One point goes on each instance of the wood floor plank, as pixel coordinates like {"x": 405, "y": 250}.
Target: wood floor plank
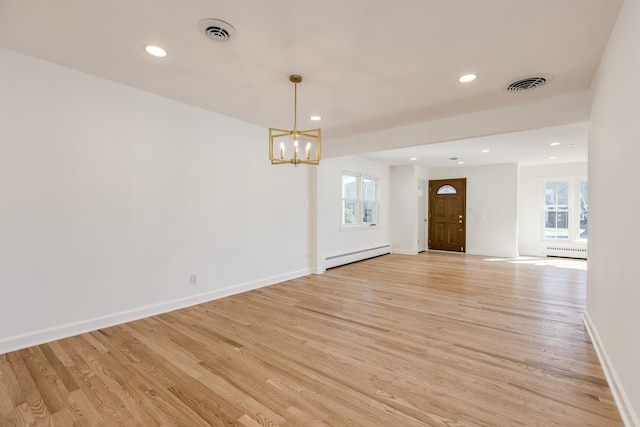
{"x": 30, "y": 404}
{"x": 437, "y": 339}
{"x": 8, "y": 384}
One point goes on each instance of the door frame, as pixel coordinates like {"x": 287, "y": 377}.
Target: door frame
{"x": 423, "y": 232}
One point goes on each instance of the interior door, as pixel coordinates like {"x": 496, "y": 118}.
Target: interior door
{"x": 447, "y": 214}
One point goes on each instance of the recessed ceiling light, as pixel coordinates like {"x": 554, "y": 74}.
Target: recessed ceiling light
{"x": 413, "y": 158}
{"x": 484, "y": 151}
{"x": 467, "y": 78}
{"x": 315, "y": 118}
{"x": 156, "y": 51}
{"x": 554, "y": 144}
{"x": 461, "y": 162}
{"x": 552, "y": 158}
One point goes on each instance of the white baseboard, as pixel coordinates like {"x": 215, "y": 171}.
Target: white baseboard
{"x": 355, "y": 256}
{"x": 64, "y": 331}
{"x": 629, "y": 417}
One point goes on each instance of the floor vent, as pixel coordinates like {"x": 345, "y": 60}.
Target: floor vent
{"x": 566, "y": 252}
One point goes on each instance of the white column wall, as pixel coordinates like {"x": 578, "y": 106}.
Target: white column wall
{"x": 613, "y": 290}
{"x": 404, "y": 210}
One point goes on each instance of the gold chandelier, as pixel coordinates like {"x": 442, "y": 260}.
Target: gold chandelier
{"x": 294, "y": 146}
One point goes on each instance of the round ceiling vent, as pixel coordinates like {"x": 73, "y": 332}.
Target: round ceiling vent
{"x": 526, "y": 84}
{"x": 217, "y": 30}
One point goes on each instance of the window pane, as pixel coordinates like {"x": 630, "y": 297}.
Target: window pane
{"x": 370, "y": 213}
{"x": 349, "y": 187}
{"x": 368, "y": 189}
{"x": 556, "y": 225}
{"x": 584, "y": 209}
{"x": 349, "y": 212}
{"x": 550, "y": 195}
{"x": 446, "y": 189}
{"x": 556, "y": 195}
{"x": 563, "y": 195}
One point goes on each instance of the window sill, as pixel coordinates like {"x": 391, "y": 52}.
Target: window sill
{"x": 358, "y": 227}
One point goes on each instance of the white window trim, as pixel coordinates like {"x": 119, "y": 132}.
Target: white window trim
{"x": 360, "y": 225}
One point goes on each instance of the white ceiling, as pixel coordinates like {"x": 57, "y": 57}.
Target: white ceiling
{"x": 367, "y": 65}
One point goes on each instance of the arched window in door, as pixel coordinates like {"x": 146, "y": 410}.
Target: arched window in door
{"x": 447, "y": 189}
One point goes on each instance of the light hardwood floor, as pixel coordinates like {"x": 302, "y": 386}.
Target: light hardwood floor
{"x": 437, "y": 339}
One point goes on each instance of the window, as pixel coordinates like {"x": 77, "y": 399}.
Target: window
{"x": 566, "y": 210}
{"x": 359, "y": 200}
{"x": 556, "y": 210}
{"x": 350, "y": 203}
{"x": 369, "y": 201}
{"x": 584, "y": 209}
{"x": 446, "y": 189}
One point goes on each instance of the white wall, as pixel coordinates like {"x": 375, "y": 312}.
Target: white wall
{"x": 613, "y": 292}
{"x": 531, "y": 203}
{"x": 404, "y": 210}
{"x": 332, "y": 240}
{"x": 404, "y": 207}
{"x": 492, "y": 207}
{"x": 111, "y": 198}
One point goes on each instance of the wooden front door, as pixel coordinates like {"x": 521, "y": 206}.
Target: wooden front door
{"x": 447, "y": 214}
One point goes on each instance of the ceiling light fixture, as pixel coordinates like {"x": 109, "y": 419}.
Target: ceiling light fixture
{"x": 156, "y": 51}
{"x": 315, "y": 118}
{"x": 552, "y": 158}
{"x": 461, "y": 162}
{"x": 467, "y": 78}
{"x": 553, "y": 144}
{"x": 413, "y": 158}
{"x": 290, "y": 142}
{"x": 484, "y": 151}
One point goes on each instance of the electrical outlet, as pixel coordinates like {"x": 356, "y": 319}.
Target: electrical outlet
{"x": 193, "y": 279}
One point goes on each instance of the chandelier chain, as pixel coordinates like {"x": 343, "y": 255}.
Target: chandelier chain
{"x": 295, "y": 106}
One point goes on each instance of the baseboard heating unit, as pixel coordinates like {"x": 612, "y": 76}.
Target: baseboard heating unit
{"x": 349, "y": 257}
{"x": 579, "y": 253}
